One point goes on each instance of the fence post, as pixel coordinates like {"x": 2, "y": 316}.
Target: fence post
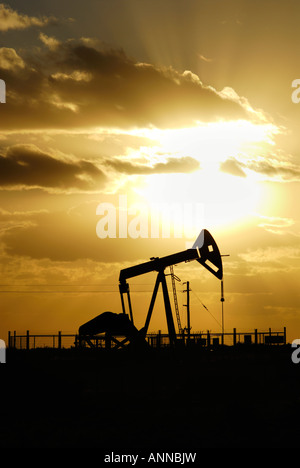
{"x": 234, "y": 336}
{"x": 255, "y": 336}
{"x": 107, "y": 341}
{"x": 208, "y": 338}
{"x": 59, "y": 340}
{"x": 158, "y": 339}
{"x": 27, "y": 339}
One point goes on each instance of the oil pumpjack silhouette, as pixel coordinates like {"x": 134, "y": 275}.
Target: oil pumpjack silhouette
{"x": 204, "y": 250}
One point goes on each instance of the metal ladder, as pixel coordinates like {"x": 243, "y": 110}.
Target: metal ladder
{"x": 173, "y": 277}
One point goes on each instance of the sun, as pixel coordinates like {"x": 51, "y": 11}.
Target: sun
{"x": 219, "y": 200}
{"x": 225, "y": 198}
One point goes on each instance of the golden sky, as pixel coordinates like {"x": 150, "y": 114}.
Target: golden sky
{"x": 162, "y": 104}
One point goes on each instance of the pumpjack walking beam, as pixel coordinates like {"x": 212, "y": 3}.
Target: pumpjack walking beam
{"x": 204, "y": 250}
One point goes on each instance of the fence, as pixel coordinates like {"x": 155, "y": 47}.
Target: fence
{"x": 29, "y": 341}
{"x": 155, "y": 340}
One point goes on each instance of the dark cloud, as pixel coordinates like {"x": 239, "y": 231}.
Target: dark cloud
{"x": 11, "y": 19}
{"x": 233, "y": 167}
{"x": 27, "y": 165}
{"x": 272, "y": 169}
{"x": 73, "y": 85}
{"x": 172, "y": 165}
{"x": 276, "y": 170}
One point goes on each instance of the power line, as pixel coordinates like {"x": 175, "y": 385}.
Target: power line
{"x": 30, "y": 291}
{"x": 203, "y": 305}
{"x": 37, "y": 285}
{"x": 58, "y": 292}
{"x": 68, "y": 285}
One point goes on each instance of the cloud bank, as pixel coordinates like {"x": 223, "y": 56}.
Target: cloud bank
{"x": 71, "y": 84}
{"x": 11, "y": 19}
{"x": 269, "y": 168}
{"x": 27, "y": 165}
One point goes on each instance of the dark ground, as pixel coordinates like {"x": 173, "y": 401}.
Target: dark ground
{"x": 230, "y": 397}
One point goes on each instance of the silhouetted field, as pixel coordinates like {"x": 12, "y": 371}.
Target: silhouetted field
{"x": 230, "y": 397}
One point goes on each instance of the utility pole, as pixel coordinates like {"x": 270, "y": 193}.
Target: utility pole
{"x": 187, "y": 305}
{"x": 222, "y": 301}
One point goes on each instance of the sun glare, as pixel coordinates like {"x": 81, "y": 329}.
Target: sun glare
{"x": 225, "y": 198}
{"x": 214, "y": 142}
